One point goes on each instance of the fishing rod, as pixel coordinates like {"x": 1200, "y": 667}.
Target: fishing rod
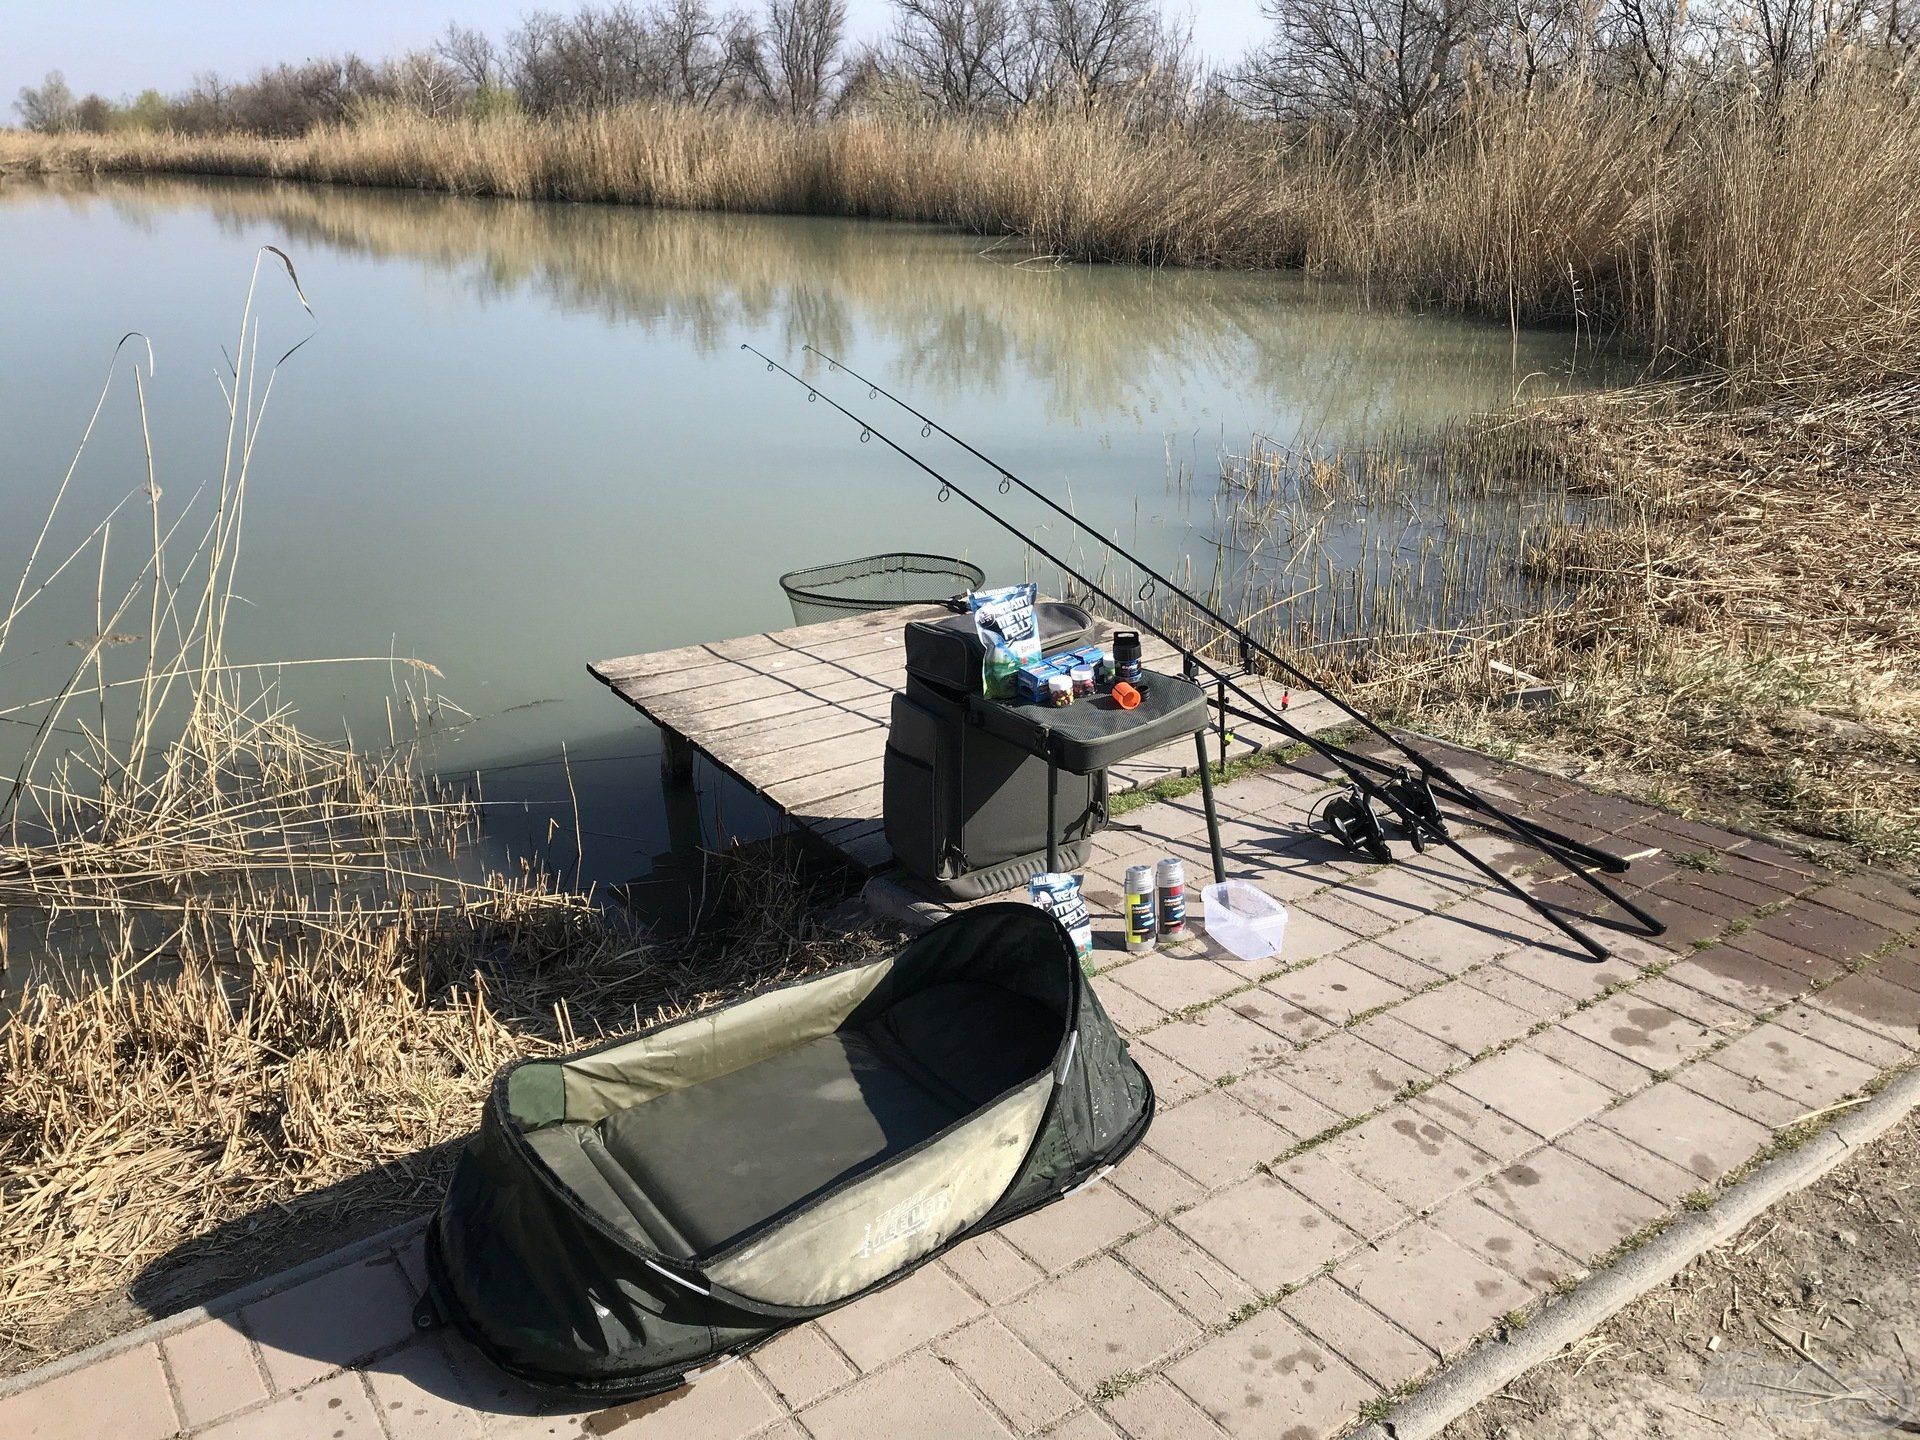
{"x": 1356, "y": 830}
{"x": 1361, "y": 781}
{"x": 1348, "y": 818}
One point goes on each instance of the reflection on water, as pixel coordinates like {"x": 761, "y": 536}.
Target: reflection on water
{"x": 965, "y": 317}
{"x": 523, "y": 437}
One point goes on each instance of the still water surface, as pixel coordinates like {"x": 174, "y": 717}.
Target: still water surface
{"x": 523, "y": 436}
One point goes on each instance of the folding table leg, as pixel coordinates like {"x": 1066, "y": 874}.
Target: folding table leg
{"x": 1206, "y": 800}
{"x": 1053, "y": 835}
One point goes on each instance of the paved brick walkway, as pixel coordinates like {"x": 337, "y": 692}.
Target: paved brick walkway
{"x": 1433, "y": 1114}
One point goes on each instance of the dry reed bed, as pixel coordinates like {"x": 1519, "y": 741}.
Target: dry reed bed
{"x": 265, "y": 976}
{"x": 1734, "y": 622}
{"x": 1750, "y": 238}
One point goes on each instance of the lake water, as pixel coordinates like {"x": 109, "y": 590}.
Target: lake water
{"x": 523, "y": 436}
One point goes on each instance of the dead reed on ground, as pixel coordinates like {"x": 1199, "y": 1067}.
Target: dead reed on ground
{"x": 261, "y": 966}
{"x": 1728, "y": 601}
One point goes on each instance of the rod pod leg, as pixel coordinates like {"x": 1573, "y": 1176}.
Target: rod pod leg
{"x": 1206, "y": 802}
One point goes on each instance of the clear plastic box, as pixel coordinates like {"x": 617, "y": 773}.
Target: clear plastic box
{"x": 1245, "y": 919}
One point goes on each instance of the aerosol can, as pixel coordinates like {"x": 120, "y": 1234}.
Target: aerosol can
{"x": 1170, "y": 879}
{"x": 1143, "y": 926}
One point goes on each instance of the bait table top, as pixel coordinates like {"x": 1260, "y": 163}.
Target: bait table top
{"x": 800, "y": 716}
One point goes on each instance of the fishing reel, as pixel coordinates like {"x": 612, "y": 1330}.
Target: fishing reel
{"x": 1418, "y": 812}
{"x": 1348, "y": 817}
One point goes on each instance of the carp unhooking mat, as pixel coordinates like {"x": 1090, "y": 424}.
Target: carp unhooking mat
{"x": 633, "y": 1212}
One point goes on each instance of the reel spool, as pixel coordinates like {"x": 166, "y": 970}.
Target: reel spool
{"x": 1349, "y": 818}
{"x": 1415, "y": 796}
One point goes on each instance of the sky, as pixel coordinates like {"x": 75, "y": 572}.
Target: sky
{"x": 120, "y": 47}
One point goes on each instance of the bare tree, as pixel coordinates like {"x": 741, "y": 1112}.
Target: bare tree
{"x": 1397, "y": 62}
{"x": 697, "y": 47}
{"x": 614, "y": 54}
{"x": 796, "y": 59}
{"x": 1528, "y": 44}
{"x": 1642, "y": 43}
{"x": 423, "y": 82}
{"x": 92, "y": 113}
{"x": 1787, "y": 43}
{"x": 49, "y": 106}
{"x": 965, "y": 56}
{"x": 292, "y": 99}
{"x": 207, "y": 105}
{"x": 473, "y": 55}
{"x": 1097, "y": 45}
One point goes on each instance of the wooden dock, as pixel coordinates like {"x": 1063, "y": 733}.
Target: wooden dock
{"x": 800, "y": 716}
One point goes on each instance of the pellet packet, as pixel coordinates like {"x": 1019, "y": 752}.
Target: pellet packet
{"x": 1008, "y": 624}
{"x": 1060, "y": 895}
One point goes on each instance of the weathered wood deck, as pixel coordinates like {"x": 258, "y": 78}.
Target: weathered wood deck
{"x": 800, "y": 716}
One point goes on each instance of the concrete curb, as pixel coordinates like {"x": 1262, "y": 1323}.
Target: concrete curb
{"x": 1495, "y": 1364}
{"x": 219, "y": 1306}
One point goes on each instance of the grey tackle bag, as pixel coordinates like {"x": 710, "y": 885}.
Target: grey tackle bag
{"x": 966, "y": 812}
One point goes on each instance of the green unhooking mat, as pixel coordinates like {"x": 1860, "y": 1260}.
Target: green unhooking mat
{"x": 633, "y": 1212}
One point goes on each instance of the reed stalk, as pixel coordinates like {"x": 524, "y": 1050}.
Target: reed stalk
{"x": 267, "y": 981}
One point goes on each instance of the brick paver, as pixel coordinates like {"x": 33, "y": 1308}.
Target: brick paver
{"x": 1099, "y": 1321}
{"x": 1356, "y": 1332}
{"x": 1154, "y": 1408}
{"x": 1538, "y": 1092}
{"x": 919, "y": 1396}
{"x": 1267, "y": 1378}
{"x": 1652, "y": 1175}
{"x": 1410, "y": 1157}
{"x": 1477, "y": 1228}
{"x": 419, "y": 1392}
{"x": 1217, "y": 1042}
{"x": 1216, "y": 1138}
{"x": 891, "y": 1322}
{"x": 1795, "y": 1065}
{"x": 1193, "y": 1279}
{"x": 213, "y": 1371}
{"x": 1266, "y": 1231}
{"x": 335, "y": 1320}
{"x": 1023, "y": 1387}
{"x": 802, "y": 1365}
{"x": 995, "y": 1271}
{"x": 1336, "y": 989}
{"x": 1063, "y": 1235}
{"x": 1434, "y": 1290}
{"x": 129, "y": 1390}
{"x": 1425, "y": 1112}
{"x": 1481, "y": 1126}
{"x": 1569, "y": 1203}
{"x": 339, "y": 1408}
{"x": 1688, "y": 1129}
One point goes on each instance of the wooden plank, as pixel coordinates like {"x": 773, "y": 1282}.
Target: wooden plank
{"x": 828, "y": 685}
{"x": 753, "y": 714}
{"x": 859, "y": 655}
{"x": 658, "y": 662}
{"x": 810, "y": 791}
{"x": 626, "y": 669}
{"x": 864, "y": 806}
{"x": 806, "y": 728}
{"x": 837, "y": 810}
{"x": 862, "y": 747}
{"x": 869, "y": 852}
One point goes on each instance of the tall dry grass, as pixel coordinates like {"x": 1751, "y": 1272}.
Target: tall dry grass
{"x": 1729, "y": 611}
{"x": 266, "y": 981}
{"x": 1772, "y": 241}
